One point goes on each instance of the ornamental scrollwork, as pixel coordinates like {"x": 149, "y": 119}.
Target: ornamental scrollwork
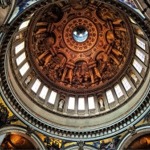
{"x": 79, "y": 65}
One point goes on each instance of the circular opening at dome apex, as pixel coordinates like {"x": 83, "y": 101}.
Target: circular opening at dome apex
{"x": 80, "y": 34}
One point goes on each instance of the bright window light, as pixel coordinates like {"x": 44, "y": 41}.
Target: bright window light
{"x": 24, "y": 69}
{"x": 24, "y": 24}
{"x": 140, "y": 55}
{"x": 91, "y": 102}
{"x": 43, "y": 92}
{"x": 19, "y": 47}
{"x": 110, "y": 96}
{"x": 52, "y": 97}
{"x": 81, "y": 103}
{"x": 140, "y": 43}
{"x": 126, "y": 84}
{"x": 71, "y": 103}
{"x": 118, "y": 91}
{"x": 132, "y": 20}
{"x": 2, "y": 137}
{"x": 36, "y": 85}
{"x": 137, "y": 66}
{"x": 20, "y": 59}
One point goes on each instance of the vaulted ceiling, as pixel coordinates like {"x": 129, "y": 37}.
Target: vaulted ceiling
{"x": 76, "y": 70}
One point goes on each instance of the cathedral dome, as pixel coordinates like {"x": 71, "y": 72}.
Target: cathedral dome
{"x": 77, "y": 70}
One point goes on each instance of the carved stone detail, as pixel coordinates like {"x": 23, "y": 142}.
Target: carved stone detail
{"x": 75, "y": 65}
{"x": 101, "y": 103}
{"x": 61, "y": 102}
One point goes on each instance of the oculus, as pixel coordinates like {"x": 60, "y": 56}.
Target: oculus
{"x": 80, "y": 34}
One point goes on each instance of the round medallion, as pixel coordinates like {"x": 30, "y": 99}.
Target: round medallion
{"x": 80, "y": 34}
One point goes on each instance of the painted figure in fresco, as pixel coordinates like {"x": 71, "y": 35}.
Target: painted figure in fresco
{"x": 111, "y": 145}
{"x": 43, "y": 51}
{"x": 81, "y": 75}
{"x": 102, "y": 59}
{"x": 69, "y": 75}
{"x": 56, "y": 66}
{"x": 78, "y": 74}
{"x": 3, "y": 115}
{"x": 78, "y": 4}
